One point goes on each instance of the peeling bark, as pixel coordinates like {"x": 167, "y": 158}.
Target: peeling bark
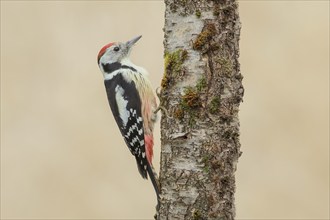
{"x": 201, "y": 91}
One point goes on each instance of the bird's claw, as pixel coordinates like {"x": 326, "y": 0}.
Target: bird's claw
{"x": 164, "y": 110}
{"x": 160, "y": 107}
{"x": 158, "y": 93}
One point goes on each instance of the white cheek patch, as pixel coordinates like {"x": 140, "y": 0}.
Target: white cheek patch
{"x": 122, "y": 105}
{"x": 108, "y": 76}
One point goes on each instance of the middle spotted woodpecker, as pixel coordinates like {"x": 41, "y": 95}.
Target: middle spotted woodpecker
{"x": 132, "y": 102}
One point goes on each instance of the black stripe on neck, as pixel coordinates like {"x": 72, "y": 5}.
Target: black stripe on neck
{"x": 111, "y": 67}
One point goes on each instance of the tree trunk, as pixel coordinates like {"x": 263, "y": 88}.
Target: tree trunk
{"x": 201, "y": 90}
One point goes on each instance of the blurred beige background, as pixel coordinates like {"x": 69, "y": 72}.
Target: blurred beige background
{"x": 63, "y": 157}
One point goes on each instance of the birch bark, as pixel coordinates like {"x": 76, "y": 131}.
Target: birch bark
{"x": 202, "y": 91}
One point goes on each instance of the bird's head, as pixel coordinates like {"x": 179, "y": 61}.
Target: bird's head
{"x": 116, "y": 52}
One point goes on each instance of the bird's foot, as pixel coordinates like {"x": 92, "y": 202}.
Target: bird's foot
{"x": 160, "y": 107}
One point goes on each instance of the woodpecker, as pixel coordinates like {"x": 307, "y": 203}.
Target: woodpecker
{"x": 132, "y": 102}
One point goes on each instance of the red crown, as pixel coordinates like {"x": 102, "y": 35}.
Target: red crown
{"x": 102, "y": 51}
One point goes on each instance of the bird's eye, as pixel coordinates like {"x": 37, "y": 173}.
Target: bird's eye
{"x": 116, "y": 49}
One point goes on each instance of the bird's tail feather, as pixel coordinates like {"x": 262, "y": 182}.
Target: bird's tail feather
{"x": 142, "y": 171}
{"x": 154, "y": 179}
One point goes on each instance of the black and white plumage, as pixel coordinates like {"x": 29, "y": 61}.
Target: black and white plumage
{"x": 132, "y": 102}
{"x": 126, "y": 109}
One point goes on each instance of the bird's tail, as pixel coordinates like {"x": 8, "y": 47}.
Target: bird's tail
{"x": 154, "y": 179}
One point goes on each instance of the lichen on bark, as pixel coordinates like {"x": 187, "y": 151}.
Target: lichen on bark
{"x": 201, "y": 91}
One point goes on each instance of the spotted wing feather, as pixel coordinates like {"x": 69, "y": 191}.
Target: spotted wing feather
{"x": 125, "y": 104}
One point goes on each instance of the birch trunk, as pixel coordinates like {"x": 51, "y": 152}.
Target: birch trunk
{"x": 202, "y": 91}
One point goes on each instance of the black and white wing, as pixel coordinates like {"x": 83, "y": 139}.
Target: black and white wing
{"x": 125, "y": 104}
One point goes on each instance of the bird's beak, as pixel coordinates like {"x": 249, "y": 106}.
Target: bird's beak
{"x": 130, "y": 43}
